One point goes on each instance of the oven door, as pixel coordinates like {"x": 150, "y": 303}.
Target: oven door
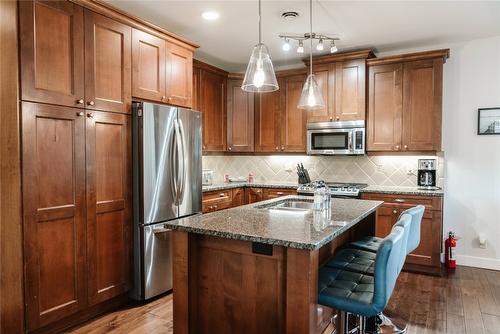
{"x": 330, "y": 141}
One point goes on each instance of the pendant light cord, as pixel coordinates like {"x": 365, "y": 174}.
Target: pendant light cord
{"x": 310, "y": 36}
{"x": 260, "y": 28}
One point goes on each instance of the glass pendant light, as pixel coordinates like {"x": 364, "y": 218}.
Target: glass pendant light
{"x": 260, "y": 76}
{"x": 311, "y": 98}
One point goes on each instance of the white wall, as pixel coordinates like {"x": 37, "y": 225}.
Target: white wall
{"x": 472, "y": 162}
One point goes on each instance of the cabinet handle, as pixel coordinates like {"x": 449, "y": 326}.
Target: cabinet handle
{"x": 90, "y": 115}
{"x": 163, "y": 98}
{"x": 397, "y": 147}
{"x": 215, "y": 206}
{"x": 222, "y": 195}
{"x": 279, "y": 193}
{"x": 210, "y": 207}
{"x": 394, "y": 211}
{"x": 258, "y": 191}
{"x": 80, "y": 101}
{"x": 229, "y": 148}
{"x": 282, "y": 148}
{"x": 80, "y": 113}
{"x": 204, "y": 147}
{"x": 170, "y": 98}
{"x": 277, "y": 148}
{"x": 406, "y": 147}
{"x": 331, "y": 118}
{"x": 91, "y": 103}
{"x": 399, "y": 200}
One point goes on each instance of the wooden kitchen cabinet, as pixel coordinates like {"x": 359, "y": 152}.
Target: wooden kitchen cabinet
{"x": 240, "y": 118}
{"x": 326, "y": 81}
{"x": 109, "y": 186}
{"x": 217, "y": 200}
{"x": 427, "y": 257}
{"x": 54, "y": 212}
{"x": 211, "y": 101}
{"x": 238, "y": 197}
{"x": 179, "y": 76}
{"x": 293, "y": 119}
{"x": 52, "y": 52}
{"x": 270, "y": 193}
{"x": 405, "y": 102}
{"x": 107, "y": 64}
{"x": 268, "y": 122}
{"x": 350, "y": 90}
{"x": 148, "y": 66}
{"x": 253, "y": 195}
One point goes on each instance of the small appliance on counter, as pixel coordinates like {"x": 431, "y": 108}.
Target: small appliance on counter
{"x": 207, "y": 177}
{"x": 426, "y": 176}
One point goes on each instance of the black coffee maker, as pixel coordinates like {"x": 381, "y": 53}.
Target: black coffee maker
{"x": 426, "y": 177}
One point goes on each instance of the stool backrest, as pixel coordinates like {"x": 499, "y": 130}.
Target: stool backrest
{"x": 416, "y": 213}
{"x": 387, "y": 267}
{"x": 405, "y": 221}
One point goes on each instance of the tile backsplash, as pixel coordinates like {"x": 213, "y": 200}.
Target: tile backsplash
{"x": 373, "y": 170}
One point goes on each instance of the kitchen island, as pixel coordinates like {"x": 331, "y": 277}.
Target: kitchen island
{"x": 253, "y": 269}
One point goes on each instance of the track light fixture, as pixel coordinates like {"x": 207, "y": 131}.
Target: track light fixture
{"x": 313, "y": 36}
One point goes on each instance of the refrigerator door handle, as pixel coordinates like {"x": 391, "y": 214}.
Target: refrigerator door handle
{"x": 182, "y": 181}
{"x": 174, "y": 165}
{"x": 178, "y": 163}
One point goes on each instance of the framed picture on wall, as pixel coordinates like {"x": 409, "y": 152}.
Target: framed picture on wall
{"x": 488, "y": 121}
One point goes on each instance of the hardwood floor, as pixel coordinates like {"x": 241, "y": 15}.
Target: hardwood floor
{"x": 467, "y": 302}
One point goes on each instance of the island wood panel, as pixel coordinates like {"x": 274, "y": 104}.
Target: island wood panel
{"x": 293, "y": 119}
{"x": 385, "y": 94}
{"x": 54, "y": 212}
{"x": 107, "y": 64}
{"x": 240, "y": 118}
{"x": 52, "y": 52}
{"x": 326, "y": 81}
{"x": 244, "y": 289}
{"x": 212, "y": 105}
{"x": 109, "y": 224}
{"x": 349, "y": 100}
{"x": 268, "y": 121}
{"x": 422, "y": 105}
{"x": 148, "y": 66}
{"x": 179, "y": 76}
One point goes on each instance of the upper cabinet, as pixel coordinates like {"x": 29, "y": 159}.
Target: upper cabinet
{"x": 107, "y": 64}
{"x": 293, "y": 120}
{"x": 240, "y": 118}
{"x": 210, "y": 90}
{"x": 179, "y": 88}
{"x": 52, "y": 52}
{"x": 405, "y": 102}
{"x": 268, "y": 122}
{"x": 326, "y": 81}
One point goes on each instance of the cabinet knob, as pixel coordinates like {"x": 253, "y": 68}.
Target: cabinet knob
{"x": 90, "y": 115}
{"x": 282, "y": 148}
{"x": 229, "y": 148}
{"x": 279, "y": 193}
{"x": 80, "y": 113}
{"x": 406, "y": 147}
{"x": 215, "y": 206}
{"x": 331, "y": 118}
{"x": 80, "y": 101}
{"x": 397, "y": 147}
{"x": 163, "y": 98}
{"x": 204, "y": 147}
{"x": 170, "y": 98}
{"x": 338, "y": 118}
{"x": 210, "y": 207}
{"x": 222, "y": 195}
{"x": 277, "y": 148}
{"x": 258, "y": 191}
{"x": 91, "y": 103}
{"x": 394, "y": 211}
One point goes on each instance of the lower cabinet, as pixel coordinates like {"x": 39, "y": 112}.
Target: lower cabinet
{"x": 230, "y": 198}
{"x": 427, "y": 257}
{"x": 76, "y": 208}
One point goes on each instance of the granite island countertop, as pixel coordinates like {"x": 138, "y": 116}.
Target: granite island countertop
{"x": 296, "y": 229}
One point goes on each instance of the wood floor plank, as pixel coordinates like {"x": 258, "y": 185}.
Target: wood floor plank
{"x": 491, "y": 324}
{"x": 474, "y": 325}
{"x": 455, "y": 324}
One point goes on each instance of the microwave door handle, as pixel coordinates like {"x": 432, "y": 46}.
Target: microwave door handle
{"x": 349, "y": 145}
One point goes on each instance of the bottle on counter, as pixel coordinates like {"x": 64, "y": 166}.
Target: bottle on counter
{"x": 226, "y": 178}
{"x": 250, "y": 178}
{"x": 319, "y": 198}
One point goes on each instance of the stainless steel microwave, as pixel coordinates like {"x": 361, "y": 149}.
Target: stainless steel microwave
{"x": 336, "y": 138}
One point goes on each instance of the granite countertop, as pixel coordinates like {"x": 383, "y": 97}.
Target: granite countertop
{"x": 403, "y": 191}
{"x": 296, "y": 229}
{"x": 231, "y": 185}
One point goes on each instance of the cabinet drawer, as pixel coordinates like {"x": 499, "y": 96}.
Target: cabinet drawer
{"x": 217, "y": 200}
{"x": 431, "y": 203}
{"x": 274, "y": 193}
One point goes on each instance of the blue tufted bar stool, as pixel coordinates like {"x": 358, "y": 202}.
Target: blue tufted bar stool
{"x": 360, "y": 294}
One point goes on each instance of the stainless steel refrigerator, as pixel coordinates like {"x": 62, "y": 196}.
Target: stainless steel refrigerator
{"x": 167, "y": 186}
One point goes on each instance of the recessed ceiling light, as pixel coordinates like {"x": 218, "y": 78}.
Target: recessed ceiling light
{"x": 210, "y": 15}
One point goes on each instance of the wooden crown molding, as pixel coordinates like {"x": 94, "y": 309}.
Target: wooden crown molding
{"x": 114, "y": 13}
{"x": 341, "y": 56}
{"x": 198, "y": 64}
{"x": 441, "y": 53}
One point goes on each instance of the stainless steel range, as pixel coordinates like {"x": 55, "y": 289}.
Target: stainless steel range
{"x": 338, "y": 189}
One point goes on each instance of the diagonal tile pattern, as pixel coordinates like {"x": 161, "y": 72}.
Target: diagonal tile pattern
{"x": 373, "y": 170}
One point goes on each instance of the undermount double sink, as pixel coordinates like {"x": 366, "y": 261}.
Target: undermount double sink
{"x": 292, "y": 204}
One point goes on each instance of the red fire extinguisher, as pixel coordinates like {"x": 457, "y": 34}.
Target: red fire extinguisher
{"x": 450, "y": 243}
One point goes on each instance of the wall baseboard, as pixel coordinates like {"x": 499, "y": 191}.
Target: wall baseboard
{"x": 478, "y": 262}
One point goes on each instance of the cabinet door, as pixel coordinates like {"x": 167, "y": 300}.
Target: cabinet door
{"x": 326, "y": 81}
{"x": 108, "y": 205}
{"x": 212, "y": 103}
{"x": 385, "y": 93}
{"x": 238, "y": 197}
{"x": 52, "y": 65}
{"x": 293, "y": 119}
{"x": 387, "y": 216}
{"x": 350, "y": 90}
{"x": 240, "y": 118}
{"x": 148, "y": 66}
{"x": 107, "y": 64}
{"x": 179, "y": 76}
{"x": 54, "y": 212}
{"x": 422, "y": 103}
{"x": 429, "y": 250}
{"x": 253, "y": 195}
{"x": 268, "y": 122}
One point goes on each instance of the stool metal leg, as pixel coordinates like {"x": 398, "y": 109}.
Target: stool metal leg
{"x": 391, "y": 326}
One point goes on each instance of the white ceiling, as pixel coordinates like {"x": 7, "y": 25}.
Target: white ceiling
{"x": 383, "y": 25}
